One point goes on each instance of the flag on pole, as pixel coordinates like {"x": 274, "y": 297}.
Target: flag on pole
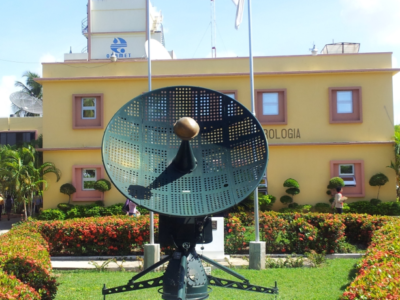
{"x": 239, "y": 12}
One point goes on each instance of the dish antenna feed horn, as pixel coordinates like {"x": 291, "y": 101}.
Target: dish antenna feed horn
{"x": 185, "y": 153}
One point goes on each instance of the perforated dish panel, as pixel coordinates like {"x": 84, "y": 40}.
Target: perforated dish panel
{"x": 139, "y": 145}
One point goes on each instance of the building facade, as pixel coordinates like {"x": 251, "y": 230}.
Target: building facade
{"x": 324, "y": 116}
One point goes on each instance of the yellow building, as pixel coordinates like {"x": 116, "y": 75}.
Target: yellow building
{"x": 324, "y": 116}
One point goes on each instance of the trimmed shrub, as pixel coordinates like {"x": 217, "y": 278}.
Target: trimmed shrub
{"x": 374, "y": 201}
{"x": 113, "y": 235}
{"x": 286, "y": 199}
{"x": 293, "y": 191}
{"x": 335, "y": 182}
{"x": 68, "y": 189}
{"x": 24, "y": 254}
{"x": 379, "y": 271}
{"x": 378, "y": 180}
{"x": 51, "y": 214}
{"x": 12, "y": 288}
{"x": 293, "y": 205}
{"x": 235, "y": 239}
{"x": 322, "y": 207}
{"x": 273, "y": 231}
{"x": 102, "y": 185}
{"x": 64, "y": 207}
{"x": 291, "y": 183}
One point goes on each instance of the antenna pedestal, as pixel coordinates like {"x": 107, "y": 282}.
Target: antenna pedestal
{"x": 184, "y": 160}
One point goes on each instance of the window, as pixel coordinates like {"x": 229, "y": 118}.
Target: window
{"x": 344, "y": 102}
{"x": 346, "y": 172}
{"x": 88, "y": 108}
{"x": 345, "y": 105}
{"x": 89, "y": 177}
{"x": 13, "y": 138}
{"x": 87, "y": 111}
{"x": 271, "y": 106}
{"x": 352, "y": 173}
{"x": 83, "y": 179}
{"x": 229, "y": 93}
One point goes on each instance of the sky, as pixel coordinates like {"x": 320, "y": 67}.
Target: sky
{"x": 43, "y": 30}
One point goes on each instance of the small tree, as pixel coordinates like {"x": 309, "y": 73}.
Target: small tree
{"x": 378, "y": 179}
{"x": 68, "y": 189}
{"x": 293, "y": 189}
{"x": 334, "y": 183}
{"x": 102, "y": 185}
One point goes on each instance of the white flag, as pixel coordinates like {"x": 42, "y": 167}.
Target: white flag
{"x": 239, "y": 12}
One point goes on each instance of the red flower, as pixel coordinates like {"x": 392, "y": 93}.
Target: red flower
{"x": 310, "y": 238}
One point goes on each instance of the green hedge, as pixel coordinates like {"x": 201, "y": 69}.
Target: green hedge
{"x": 24, "y": 254}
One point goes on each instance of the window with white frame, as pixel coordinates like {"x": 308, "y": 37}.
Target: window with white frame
{"x": 347, "y": 173}
{"x": 270, "y": 103}
{"x": 344, "y": 102}
{"x": 89, "y": 177}
{"x": 88, "y": 108}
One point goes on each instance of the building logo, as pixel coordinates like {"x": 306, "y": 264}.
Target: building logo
{"x": 119, "y": 46}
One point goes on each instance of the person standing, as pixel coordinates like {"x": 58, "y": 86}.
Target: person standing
{"x": 9, "y": 205}
{"x": 37, "y": 200}
{"x": 132, "y": 209}
{"x": 339, "y": 200}
{"x": 1, "y": 204}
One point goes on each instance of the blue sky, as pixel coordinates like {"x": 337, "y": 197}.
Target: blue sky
{"x": 43, "y": 30}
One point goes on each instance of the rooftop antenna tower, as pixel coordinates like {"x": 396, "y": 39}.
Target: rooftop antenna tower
{"x": 213, "y": 30}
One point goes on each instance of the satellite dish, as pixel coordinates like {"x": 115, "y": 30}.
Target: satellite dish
{"x": 157, "y": 49}
{"x": 27, "y": 102}
{"x": 186, "y": 153}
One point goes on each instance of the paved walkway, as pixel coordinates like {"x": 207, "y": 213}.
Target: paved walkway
{"x": 5, "y": 225}
{"x": 135, "y": 263}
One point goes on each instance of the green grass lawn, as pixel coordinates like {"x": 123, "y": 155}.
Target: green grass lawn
{"x": 326, "y": 282}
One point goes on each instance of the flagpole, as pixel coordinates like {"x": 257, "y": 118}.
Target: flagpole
{"x": 256, "y": 217}
{"x": 149, "y": 82}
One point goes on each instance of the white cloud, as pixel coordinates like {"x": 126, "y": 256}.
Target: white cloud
{"x": 6, "y": 88}
{"x": 380, "y": 18}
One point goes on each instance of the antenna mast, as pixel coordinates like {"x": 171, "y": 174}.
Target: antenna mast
{"x": 213, "y": 31}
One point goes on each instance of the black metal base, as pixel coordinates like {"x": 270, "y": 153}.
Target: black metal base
{"x": 185, "y": 278}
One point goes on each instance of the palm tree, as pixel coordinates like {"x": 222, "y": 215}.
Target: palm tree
{"x": 30, "y": 87}
{"x": 17, "y": 168}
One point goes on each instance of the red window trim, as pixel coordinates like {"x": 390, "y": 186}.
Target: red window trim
{"x": 360, "y": 181}
{"x": 258, "y": 106}
{"x": 82, "y": 195}
{"x": 351, "y": 117}
{"x": 77, "y": 112}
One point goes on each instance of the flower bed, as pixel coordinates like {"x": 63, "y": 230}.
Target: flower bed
{"x": 300, "y": 233}
{"x": 379, "y": 270}
{"x": 117, "y": 235}
{"x": 25, "y": 265}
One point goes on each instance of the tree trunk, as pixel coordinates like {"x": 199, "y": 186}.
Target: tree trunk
{"x": 26, "y": 215}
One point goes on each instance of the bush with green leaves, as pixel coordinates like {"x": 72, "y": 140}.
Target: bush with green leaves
{"x": 68, "y": 189}
{"x": 286, "y": 200}
{"x": 64, "y": 207}
{"x": 293, "y": 189}
{"x": 335, "y": 182}
{"x": 378, "y": 180}
{"x": 265, "y": 202}
{"x": 322, "y": 207}
{"x": 375, "y": 201}
{"x": 102, "y": 185}
{"x": 51, "y": 214}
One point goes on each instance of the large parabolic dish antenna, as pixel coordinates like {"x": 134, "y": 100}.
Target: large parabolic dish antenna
{"x": 27, "y": 102}
{"x": 139, "y": 145}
